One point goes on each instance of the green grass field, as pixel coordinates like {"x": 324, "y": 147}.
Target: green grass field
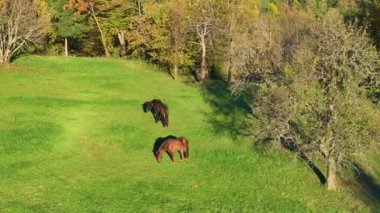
{"x": 74, "y": 138}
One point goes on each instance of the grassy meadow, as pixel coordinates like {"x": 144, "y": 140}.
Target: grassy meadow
{"x": 74, "y": 138}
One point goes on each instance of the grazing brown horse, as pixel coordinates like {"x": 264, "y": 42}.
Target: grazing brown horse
{"x": 171, "y": 145}
{"x": 159, "y": 110}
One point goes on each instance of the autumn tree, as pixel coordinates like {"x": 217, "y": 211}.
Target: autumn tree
{"x": 22, "y": 22}
{"x": 147, "y": 35}
{"x": 234, "y": 17}
{"x": 179, "y": 28}
{"x": 202, "y": 15}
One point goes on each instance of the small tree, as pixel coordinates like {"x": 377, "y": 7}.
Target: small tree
{"x": 22, "y": 22}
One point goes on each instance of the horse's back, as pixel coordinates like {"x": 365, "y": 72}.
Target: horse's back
{"x": 175, "y": 144}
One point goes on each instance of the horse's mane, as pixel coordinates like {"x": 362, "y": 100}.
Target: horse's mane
{"x": 167, "y": 140}
{"x": 161, "y": 141}
{"x": 158, "y": 101}
{"x": 151, "y": 104}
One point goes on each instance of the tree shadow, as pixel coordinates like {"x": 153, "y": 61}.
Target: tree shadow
{"x": 314, "y": 168}
{"x": 229, "y": 114}
{"x": 366, "y": 187}
{"x": 292, "y": 146}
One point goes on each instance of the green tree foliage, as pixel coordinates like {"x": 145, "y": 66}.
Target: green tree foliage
{"x": 160, "y": 35}
{"x": 179, "y": 28}
{"x": 92, "y": 8}
{"x": 147, "y": 34}
{"x": 108, "y": 17}
{"x": 115, "y": 17}
{"x": 66, "y": 25}
{"x": 232, "y": 19}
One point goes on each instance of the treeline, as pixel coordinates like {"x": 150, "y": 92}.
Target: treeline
{"x": 198, "y": 36}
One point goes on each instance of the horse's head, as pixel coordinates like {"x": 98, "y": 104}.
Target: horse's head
{"x": 146, "y": 106}
{"x": 158, "y": 155}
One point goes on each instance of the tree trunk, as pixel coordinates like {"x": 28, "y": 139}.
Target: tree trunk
{"x": 123, "y": 50}
{"x": 139, "y": 7}
{"x": 102, "y": 37}
{"x": 202, "y": 33}
{"x": 66, "y": 48}
{"x": 231, "y": 28}
{"x": 229, "y": 76}
{"x": 331, "y": 174}
{"x": 121, "y": 38}
{"x": 5, "y": 56}
{"x": 203, "y": 72}
{"x": 229, "y": 61}
{"x": 4, "y": 61}
{"x": 229, "y": 65}
{"x": 175, "y": 71}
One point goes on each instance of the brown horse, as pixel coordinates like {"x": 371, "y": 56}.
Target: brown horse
{"x": 171, "y": 145}
{"x": 159, "y": 110}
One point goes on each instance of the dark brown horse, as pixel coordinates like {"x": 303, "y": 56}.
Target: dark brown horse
{"x": 159, "y": 110}
{"x": 171, "y": 145}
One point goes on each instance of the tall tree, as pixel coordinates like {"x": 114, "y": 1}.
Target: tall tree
{"x": 22, "y": 22}
{"x": 305, "y": 87}
{"x": 202, "y": 15}
{"x": 116, "y": 16}
{"x": 233, "y": 18}
{"x": 346, "y": 59}
{"x": 92, "y": 8}
{"x": 179, "y": 29}
{"x": 65, "y": 24}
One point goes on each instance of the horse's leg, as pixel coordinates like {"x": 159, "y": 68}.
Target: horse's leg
{"x": 157, "y": 117}
{"x": 171, "y": 155}
{"x": 163, "y": 122}
{"x": 181, "y": 153}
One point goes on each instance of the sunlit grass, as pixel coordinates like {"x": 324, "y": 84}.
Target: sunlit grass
{"x": 74, "y": 138}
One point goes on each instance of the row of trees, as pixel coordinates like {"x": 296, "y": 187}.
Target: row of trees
{"x": 307, "y": 68}
{"x": 187, "y": 35}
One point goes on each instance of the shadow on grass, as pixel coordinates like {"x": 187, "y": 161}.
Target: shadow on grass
{"x": 229, "y": 113}
{"x": 366, "y": 187}
{"x": 292, "y": 146}
{"x": 314, "y": 168}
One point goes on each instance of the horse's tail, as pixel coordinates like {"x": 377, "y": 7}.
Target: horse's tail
{"x": 187, "y": 150}
{"x": 166, "y": 121}
{"x": 164, "y": 116}
{"x": 166, "y": 111}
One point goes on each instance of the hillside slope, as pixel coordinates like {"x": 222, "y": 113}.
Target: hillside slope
{"x": 74, "y": 138}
